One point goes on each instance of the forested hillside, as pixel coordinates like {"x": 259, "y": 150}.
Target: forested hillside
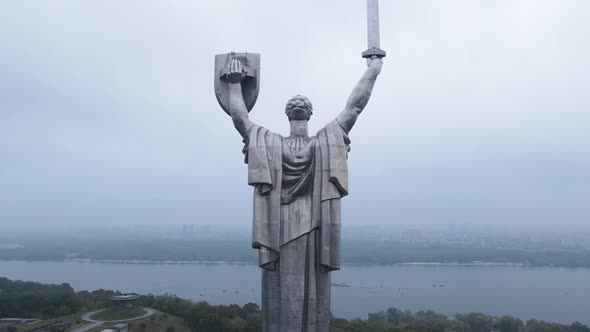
{"x": 30, "y": 299}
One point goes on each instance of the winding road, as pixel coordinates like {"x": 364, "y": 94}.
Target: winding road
{"x": 95, "y": 323}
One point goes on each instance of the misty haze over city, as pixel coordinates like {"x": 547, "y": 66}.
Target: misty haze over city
{"x": 108, "y": 116}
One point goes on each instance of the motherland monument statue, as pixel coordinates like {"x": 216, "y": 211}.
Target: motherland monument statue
{"x": 298, "y": 182}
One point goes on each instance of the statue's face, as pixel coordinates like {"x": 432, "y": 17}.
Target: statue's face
{"x": 299, "y": 113}
{"x": 299, "y": 108}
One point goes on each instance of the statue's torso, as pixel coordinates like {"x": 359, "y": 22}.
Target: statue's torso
{"x": 297, "y": 186}
{"x": 298, "y": 168}
{"x": 299, "y": 182}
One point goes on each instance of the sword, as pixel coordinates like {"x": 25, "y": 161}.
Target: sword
{"x": 373, "y": 30}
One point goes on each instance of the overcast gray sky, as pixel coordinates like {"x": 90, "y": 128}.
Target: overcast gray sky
{"x": 108, "y": 116}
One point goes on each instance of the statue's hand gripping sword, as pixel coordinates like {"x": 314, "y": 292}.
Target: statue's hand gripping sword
{"x": 373, "y": 30}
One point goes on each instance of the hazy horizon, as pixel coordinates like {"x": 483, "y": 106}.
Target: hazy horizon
{"x": 480, "y": 116}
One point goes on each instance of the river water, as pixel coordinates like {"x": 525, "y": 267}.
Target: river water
{"x": 552, "y": 294}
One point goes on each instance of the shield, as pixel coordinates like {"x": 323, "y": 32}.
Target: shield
{"x": 250, "y": 83}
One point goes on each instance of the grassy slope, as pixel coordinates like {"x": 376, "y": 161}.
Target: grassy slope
{"x": 119, "y": 313}
{"x": 74, "y": 319}
{"x": 159, "y": 323}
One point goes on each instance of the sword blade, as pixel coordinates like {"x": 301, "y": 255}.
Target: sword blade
{"x": 373, "y": 23}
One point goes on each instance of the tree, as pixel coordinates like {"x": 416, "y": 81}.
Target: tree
{"x": 578, "y": 327}
{"x": 476, "y": 322}
{"x": 251, "y": 308}
{"x": 509, "y": 324}
{"x": 397, "y": 317}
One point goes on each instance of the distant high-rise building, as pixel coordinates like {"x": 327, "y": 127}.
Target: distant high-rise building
{"x": 188, "y": 228}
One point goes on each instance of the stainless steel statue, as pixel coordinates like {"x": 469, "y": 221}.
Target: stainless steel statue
{"x": 298, "y": 182}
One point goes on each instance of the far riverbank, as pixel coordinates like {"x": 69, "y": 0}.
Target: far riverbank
{"x": 134, "y": 261}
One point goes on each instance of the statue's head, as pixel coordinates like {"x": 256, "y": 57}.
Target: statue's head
{"x": 299, "y": 108}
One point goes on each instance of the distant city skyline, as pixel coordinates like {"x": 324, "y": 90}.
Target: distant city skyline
{"x": 105, "y": 108}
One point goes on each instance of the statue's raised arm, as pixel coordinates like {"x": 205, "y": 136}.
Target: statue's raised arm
{"x": 360, "y": 95}
{"x": 237, "y": 106}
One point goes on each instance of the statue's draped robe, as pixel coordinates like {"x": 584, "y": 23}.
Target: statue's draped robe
{"x": 298, "y": 183}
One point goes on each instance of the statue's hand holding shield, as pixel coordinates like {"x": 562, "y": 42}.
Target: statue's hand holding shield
{"x": 236, "y": 72}
{"x": 236, "y": 68}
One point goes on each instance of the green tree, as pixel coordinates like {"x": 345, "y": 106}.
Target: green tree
{"x": 509, "y": 324}
{"x": 476, "y": 322}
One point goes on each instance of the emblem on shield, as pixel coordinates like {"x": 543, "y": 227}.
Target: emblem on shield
{"x": 250, "y": 83}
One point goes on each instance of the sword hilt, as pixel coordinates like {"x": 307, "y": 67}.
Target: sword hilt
{"x": 374, "y": 51}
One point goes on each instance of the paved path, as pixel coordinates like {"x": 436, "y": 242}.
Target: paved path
{"x": 94, "y": 323}
{"x": 87, "y": 327}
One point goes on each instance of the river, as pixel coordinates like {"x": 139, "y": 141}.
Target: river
{"x": 551, "y": 294}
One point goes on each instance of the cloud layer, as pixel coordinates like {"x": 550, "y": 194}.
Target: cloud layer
{"x": 107, "y": 111}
